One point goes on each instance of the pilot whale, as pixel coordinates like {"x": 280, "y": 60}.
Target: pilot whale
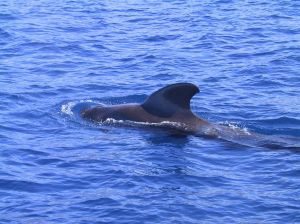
{"x": 170, "y": 107}
{"x": 168, "y": 104}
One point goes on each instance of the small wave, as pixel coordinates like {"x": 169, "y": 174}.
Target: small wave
{"x": 4, "y": 34}
{"x": 24, "y": 186}
{"x": 280, "y": 120}
{"x": 4, "y": 17}
{"x": 280, "y": 126}
{"x": 137, "y": 20}
{"x": 158, "y": 38}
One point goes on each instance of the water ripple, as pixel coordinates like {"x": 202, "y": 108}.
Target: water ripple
{"x": 60, "y": 57}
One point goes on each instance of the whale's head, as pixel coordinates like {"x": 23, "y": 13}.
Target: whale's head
{"x": 95, "y": 114}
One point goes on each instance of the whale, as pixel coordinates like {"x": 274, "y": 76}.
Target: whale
{"x": 168, "y": 105}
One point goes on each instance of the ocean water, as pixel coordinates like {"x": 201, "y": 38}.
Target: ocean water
{"x": 58, "y": 56}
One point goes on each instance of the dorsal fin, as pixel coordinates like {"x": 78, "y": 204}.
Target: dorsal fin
{"x": 170, "y": 99}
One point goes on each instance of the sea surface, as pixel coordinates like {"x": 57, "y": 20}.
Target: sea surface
{"x": 57, "y": 57}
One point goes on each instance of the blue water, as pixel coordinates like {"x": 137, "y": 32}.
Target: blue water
{"x": 58, "y": 56}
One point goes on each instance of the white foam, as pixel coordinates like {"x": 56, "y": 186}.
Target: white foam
{"x": 86, "y": 101}
{"x": 235, "y": 126}
{"x": 67, "y": 108}
{"x": 160, "y": 124}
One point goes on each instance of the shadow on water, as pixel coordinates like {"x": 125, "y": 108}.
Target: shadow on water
{"x": 168, "y": 137}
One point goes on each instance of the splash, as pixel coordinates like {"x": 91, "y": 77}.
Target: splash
{"x": 236, "y": 127}
{"x": 68, "y": 108}
{"x": 170, "y": 124}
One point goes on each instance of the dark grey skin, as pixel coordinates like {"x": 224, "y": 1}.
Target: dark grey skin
{"x": 169, "y": 104}
{"x": 172, "y": 104}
